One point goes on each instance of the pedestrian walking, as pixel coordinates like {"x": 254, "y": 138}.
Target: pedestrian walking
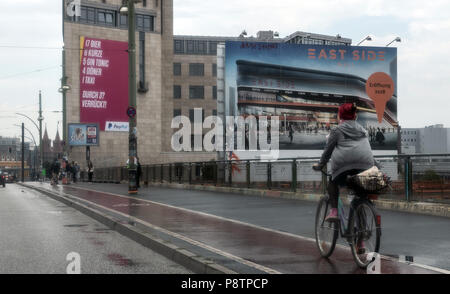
{"x": 379, "y": 137}
{"x": 138, "y": 172}
{"x": 90, "y": 170}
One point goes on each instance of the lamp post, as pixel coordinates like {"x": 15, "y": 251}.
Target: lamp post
{"x": 64, "y": 88}
{"x": 397, "y": 39}
{"x": 132, "y": 112}
{"x": 34, "y": 141}
{"x": 39, "y": 128}
{"x": 368, "y": 38}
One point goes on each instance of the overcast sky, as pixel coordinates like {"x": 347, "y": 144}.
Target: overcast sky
{"x": 423, "y": 54}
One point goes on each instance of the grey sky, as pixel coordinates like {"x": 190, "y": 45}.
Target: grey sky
{"x": 423, "y": 63}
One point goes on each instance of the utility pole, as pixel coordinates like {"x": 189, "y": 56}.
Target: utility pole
{"x": 40, "y": 118}
{"x": 132, "y": 112}
{"x": 23, "y": 152}
{"x": 64, "y": 90}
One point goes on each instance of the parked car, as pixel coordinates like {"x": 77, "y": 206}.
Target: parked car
{"x": 11, "y": 178}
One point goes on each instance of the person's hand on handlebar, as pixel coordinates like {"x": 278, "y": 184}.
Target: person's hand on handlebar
{"x": 317, "y": 167}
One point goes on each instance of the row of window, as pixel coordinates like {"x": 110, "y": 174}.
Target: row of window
{"x": 408, "y": 132}
{"x": 312, "y": 41}
{"x": 409, "y": 140}
{"x": 195, "y": 92}
{"x": 200, "y": 47}
{"x": 177, "y": 112}
{"x": 195, "y": 69}
{"x": 112, "y": 18}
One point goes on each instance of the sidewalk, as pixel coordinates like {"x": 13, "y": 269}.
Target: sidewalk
{"x": 230, "y": 242}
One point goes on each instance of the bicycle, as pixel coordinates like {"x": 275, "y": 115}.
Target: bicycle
{"x": 358, "y": 226}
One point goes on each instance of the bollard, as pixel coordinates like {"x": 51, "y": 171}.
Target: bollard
{"x": 230, "y": 173}
{"x": 269, "y": 175}
{"x": 190, "y": 173}
{"x": 294, "y": 176}
{"x": 248, "y": 174}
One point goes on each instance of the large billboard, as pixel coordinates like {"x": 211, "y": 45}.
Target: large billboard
{"x": 305, "y": 84}
{"x": 103, "y": 82}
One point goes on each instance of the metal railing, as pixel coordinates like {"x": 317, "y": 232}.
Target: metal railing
{"x": 420, "y": 177}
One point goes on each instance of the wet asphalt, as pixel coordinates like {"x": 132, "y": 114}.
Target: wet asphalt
{"x": 424, "y": 238}
{"x": 38, "y": 233}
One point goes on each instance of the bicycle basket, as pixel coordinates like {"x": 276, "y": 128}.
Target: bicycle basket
{"x": 370, "y": 183}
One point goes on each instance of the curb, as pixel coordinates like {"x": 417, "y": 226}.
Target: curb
{"x": 177, "y": 254}
{"x": 442, "y": 210}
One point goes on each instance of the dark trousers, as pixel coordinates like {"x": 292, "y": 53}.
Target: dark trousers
{"x": 340, "y": 180}
{"x": 90, "y": 174}
{"x": 138, "y": 177}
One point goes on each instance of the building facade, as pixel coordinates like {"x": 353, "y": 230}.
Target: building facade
{"x": 175, "y": 75}
{"x": 429, "y": 140}
{"x": 101, "y": 19}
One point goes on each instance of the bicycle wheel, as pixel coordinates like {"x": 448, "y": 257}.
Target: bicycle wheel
{"x": 366, "y": 233}
{"x": 326, "y": 232}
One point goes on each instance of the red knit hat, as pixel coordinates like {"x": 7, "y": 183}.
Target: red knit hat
{"x": 347, "y": 111}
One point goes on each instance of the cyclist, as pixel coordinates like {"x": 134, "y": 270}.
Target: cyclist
{"x": 349, "y": 149}
{"x": 55, "y": 171}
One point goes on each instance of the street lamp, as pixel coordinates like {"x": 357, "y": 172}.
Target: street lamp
{"x": 129, "y": 10}
{"x": 368, "y": 38}
{"x": 34, "y": 144}
{"x": 395, "y": 40}
{"x": 39, "y": 128}
{"x": 64, "y": 88}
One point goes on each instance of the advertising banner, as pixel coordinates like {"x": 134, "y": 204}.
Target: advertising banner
{"x": 304, "y": 85}
{"x": 103, "y": 81}
{"x": 83, "y": 134}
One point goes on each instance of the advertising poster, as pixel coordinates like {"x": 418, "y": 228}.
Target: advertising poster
{"x": 83, "y": 134}
{"x": 305, "y": 84}
{"x": 103, "y": 81}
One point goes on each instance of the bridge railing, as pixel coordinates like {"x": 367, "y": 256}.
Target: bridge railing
{"x": 420, "y": 177}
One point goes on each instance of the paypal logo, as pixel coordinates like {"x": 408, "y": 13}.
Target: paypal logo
{"x": 114, "y": 126}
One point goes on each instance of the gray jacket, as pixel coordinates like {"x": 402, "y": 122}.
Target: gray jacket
{"x": 348, "y": 148}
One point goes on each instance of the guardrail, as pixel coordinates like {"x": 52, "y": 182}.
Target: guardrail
{"x": 420, "y": 177}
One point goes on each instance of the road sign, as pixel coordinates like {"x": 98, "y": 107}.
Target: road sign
{"x": 131, "y": 112}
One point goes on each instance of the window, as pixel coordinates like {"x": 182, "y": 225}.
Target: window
{"x": 178, "y": 46}
{"x": 105, "y": 17}
{"x": 214, "y": 92}
{"x": 176, "y": 92}
{"x": 123, "y": 22}
{"x": 190, "y": 46}
{"x": 144, "y": 22}
{"x": 214, "y": 70}
{"x": 214, "y": 112}
{"x": 142, "y": 83}
{"x": 177, "y": 69}
{"x": 196, "y": 69}
{"x": 196, "y": 92}
{"x": 201, "y": 47}
{"x": 213, "y": 48}
{"x": 176, "y": 112}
